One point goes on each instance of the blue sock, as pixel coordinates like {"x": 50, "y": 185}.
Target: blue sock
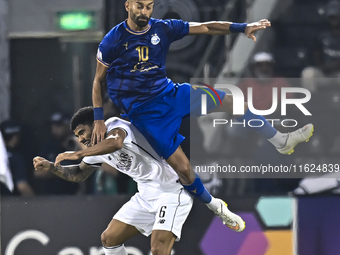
{"x": 267, "y": 130}
{"x": 197, "y": 190}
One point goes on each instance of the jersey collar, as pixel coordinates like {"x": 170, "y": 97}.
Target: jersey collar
{"x": 136, "y": 32}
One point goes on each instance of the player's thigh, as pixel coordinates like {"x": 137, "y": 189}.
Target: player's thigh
{"x": 172, "y": 211}
{"x": 117, "y": 232}
{"x": 139, "y": 213}
{"x": 162, "y": 242}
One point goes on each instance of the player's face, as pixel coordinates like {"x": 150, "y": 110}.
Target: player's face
{"x": 84, "y": 133}
{"x": 140, "y": 11}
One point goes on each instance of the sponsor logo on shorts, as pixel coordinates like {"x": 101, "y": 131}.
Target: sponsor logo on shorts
{"x": 161, "y": 221}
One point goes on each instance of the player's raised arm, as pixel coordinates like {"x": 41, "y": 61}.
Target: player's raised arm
{"x": 112, "y": 143}
{"x": 72, "y": 173}
{"x": 224, "y": 27}
{"x": 99, "y": 125}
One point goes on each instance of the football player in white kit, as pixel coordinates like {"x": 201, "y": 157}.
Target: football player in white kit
{"x": 161, "y": 206}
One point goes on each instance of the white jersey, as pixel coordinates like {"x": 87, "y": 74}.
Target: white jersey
{"x": 138, "y": 160}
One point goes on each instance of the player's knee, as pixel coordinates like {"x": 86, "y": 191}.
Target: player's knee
{"x": 245, "y": 107}
{"x": 160, "y": 248}
{"x": 108, "y": 239}
{"x": 228, "y": 103}
{"x": 180, "y": 163}
{"x": 184, "y": 172}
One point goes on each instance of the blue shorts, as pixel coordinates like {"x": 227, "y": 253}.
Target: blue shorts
{"x": 159, "y": 119}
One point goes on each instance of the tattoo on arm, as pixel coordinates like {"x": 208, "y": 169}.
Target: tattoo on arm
{"x": 73, "y": 173}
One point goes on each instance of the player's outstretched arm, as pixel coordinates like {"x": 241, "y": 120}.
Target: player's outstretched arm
{"x": 112, "y": 143}
{"x": 99, "y": 126}
{"x": 72, "y": 173}
{"x": 224, "y": 27}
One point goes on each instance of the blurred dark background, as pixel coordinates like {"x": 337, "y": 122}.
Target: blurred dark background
{"x": 51, "y": 69}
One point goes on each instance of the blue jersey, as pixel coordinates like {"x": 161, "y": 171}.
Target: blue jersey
{"x": 136, "y": 60}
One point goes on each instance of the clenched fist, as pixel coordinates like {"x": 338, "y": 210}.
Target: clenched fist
{"x": 41, "y": 164}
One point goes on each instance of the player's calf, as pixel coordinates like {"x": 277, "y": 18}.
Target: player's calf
{"x": 283, "y": 142}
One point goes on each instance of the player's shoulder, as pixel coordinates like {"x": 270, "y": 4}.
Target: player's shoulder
{"x": 117, "y": 121}
{"x": 164, "y": 22}
{"x": 114, "y": 33}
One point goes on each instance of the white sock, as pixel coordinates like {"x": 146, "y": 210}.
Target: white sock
{"x": 279, "y": 140}
{"x": 115, "y": 250}
{"x": 214, "y": 204}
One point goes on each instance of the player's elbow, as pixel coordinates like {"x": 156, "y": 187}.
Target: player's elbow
{"x": 198, "y": 29}
{"x": 205, "y": 30}
{"x": 215, "y": 32}
{"x": 114, "y": 146}
{"x": 120, "y": 145}
{"x": 211, "y": 31}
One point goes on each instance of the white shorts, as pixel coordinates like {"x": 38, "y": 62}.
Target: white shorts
{"x": 168, "y": 212}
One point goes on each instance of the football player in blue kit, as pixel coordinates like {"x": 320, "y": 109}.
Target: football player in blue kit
{"x": 132, "y": 58}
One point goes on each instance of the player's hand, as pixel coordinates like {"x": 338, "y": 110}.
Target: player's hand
{"x": 41, "y": 164}
{"x": 251, "y": 28}
{"x": 68, "y": 155}
{"x": 98, "y": 133}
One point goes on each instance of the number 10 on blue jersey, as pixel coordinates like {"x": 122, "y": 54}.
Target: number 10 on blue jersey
{"x": 143, "y": 52}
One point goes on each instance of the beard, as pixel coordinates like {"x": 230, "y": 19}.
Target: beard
{"x": 142, "y": 23}
{"x": 141, "y": 20}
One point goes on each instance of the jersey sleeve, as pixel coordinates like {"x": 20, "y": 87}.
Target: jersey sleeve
{"x": 114, "y": 123}
{"x": 105, "y": 51}
{"x": 93, "y": 160}
{"x": 178, "y": 28}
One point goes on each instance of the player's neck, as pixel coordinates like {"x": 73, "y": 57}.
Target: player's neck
{"x": 133, "y": 26}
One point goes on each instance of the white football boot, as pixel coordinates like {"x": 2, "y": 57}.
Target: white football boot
{"x": 230, "y": 219}
{"x": 294, "y": 138}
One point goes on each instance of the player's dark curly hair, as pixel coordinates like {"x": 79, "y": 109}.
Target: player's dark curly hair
{"x": 83, "y": 116}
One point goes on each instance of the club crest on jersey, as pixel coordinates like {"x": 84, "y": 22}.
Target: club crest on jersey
{"x": 155, "y": 39}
